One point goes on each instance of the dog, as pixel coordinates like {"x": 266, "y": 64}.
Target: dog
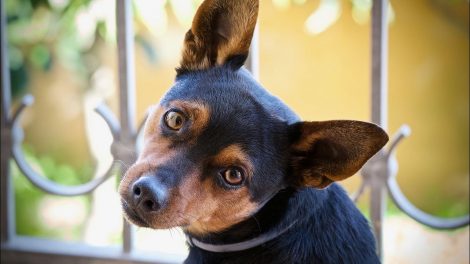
{"x": 236, "y": 169}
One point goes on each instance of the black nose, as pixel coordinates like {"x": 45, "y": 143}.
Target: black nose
{"x": 148, "y": 194}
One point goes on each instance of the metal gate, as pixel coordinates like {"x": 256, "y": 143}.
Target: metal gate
{"x": 379, "y": 174}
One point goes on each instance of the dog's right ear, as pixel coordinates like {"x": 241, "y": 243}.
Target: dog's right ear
{"x": 329, "y": 151}
{"x": 221, "y": 33}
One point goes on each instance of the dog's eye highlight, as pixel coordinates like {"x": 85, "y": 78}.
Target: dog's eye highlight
{"x": 233, "y": 176}
{"x": 174, "y": 120}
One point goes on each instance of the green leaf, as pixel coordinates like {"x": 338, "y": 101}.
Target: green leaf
{"x": 40, "y": 57}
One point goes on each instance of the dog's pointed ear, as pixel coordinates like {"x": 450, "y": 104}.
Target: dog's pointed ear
{"x": 328, "y": 151}
{"x": 221, "y": 33}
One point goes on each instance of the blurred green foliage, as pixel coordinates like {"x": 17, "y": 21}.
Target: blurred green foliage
{"x": 28, "y": 198}
{"x": 41, "y": 32}
{"x": 448, "y": 210}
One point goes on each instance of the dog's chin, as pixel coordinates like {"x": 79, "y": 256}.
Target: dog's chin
{"x": 166, "y": 220}
{"x": 157, "y": 221}
{"x": 155, "y": 224}
{"x": 135, "y": 219}
{"x": 132, "y": 217}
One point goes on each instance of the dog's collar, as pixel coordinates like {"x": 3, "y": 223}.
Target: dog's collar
{"x": 247, "y": 244}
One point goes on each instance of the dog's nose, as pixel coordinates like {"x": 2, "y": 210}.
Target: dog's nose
{"x": 148, "y": 194}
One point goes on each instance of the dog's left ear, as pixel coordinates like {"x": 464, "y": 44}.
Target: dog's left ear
{"x": 221, "y": 32}
{"x": 328, "y": 151}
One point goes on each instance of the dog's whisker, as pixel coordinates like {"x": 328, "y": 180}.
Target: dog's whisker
{"x": 257, "y": 222}
{"x": 122, "y": 163}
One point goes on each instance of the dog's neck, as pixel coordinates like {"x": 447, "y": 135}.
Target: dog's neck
{"x": 240, "y": 246}
{"x": 265, "y": 225}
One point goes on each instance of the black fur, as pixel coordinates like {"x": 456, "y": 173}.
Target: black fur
{"x": 290, "y": 165}
{"x": 329, "y": 228}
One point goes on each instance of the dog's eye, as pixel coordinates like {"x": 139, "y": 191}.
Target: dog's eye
{"x": 174, "y": 120}
{"x": 233, "y": 176}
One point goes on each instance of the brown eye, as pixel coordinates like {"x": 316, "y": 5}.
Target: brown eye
{"x": 174, "y": 120}
{"x": 233, "y": 176}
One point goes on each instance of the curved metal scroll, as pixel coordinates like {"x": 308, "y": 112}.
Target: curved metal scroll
{"x": 42, "y": 182}
{"x": 356, "y": 195}
{"x": 405, "y": 205}
{"x": 385, "y": 166}
{"x": 408, "y": 208}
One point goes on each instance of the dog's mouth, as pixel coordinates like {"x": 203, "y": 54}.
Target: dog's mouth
{"x": 132, "y": 216}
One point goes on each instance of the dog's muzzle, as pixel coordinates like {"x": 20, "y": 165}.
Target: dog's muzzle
{"x": 146, "y": 195}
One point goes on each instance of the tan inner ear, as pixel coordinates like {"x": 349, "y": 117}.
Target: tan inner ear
{"x": 221, "y": 29}
{"x": 237, "y": 28}
{"x": 331, "y": 151}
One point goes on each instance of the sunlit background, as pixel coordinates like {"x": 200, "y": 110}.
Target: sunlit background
{"x": 314, "y": 54}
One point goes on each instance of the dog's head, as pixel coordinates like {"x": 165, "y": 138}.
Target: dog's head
{"x": 218, "y": 146}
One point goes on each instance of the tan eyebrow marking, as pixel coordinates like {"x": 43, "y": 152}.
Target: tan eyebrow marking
{"x": 234, "y": 155}
{"x": 198, "y": 112}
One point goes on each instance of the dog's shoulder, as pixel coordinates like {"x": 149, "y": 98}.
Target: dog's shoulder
{"x": 332, "y": 229}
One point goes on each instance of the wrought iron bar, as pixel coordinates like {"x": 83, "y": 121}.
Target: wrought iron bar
{"x": 379, "y": 173}
{"x": 126, "y": 151}
{"x": 123, "y": 131}
{"x": 123, "y": 147}
{"x": 379, "y": 74}
{"x": 125, "y": 43}
{"x": 6, "y": 192}
{"x": 379, "y": 110}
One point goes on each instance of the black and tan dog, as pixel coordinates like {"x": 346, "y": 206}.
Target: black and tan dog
{"x": 235, "y": 168}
